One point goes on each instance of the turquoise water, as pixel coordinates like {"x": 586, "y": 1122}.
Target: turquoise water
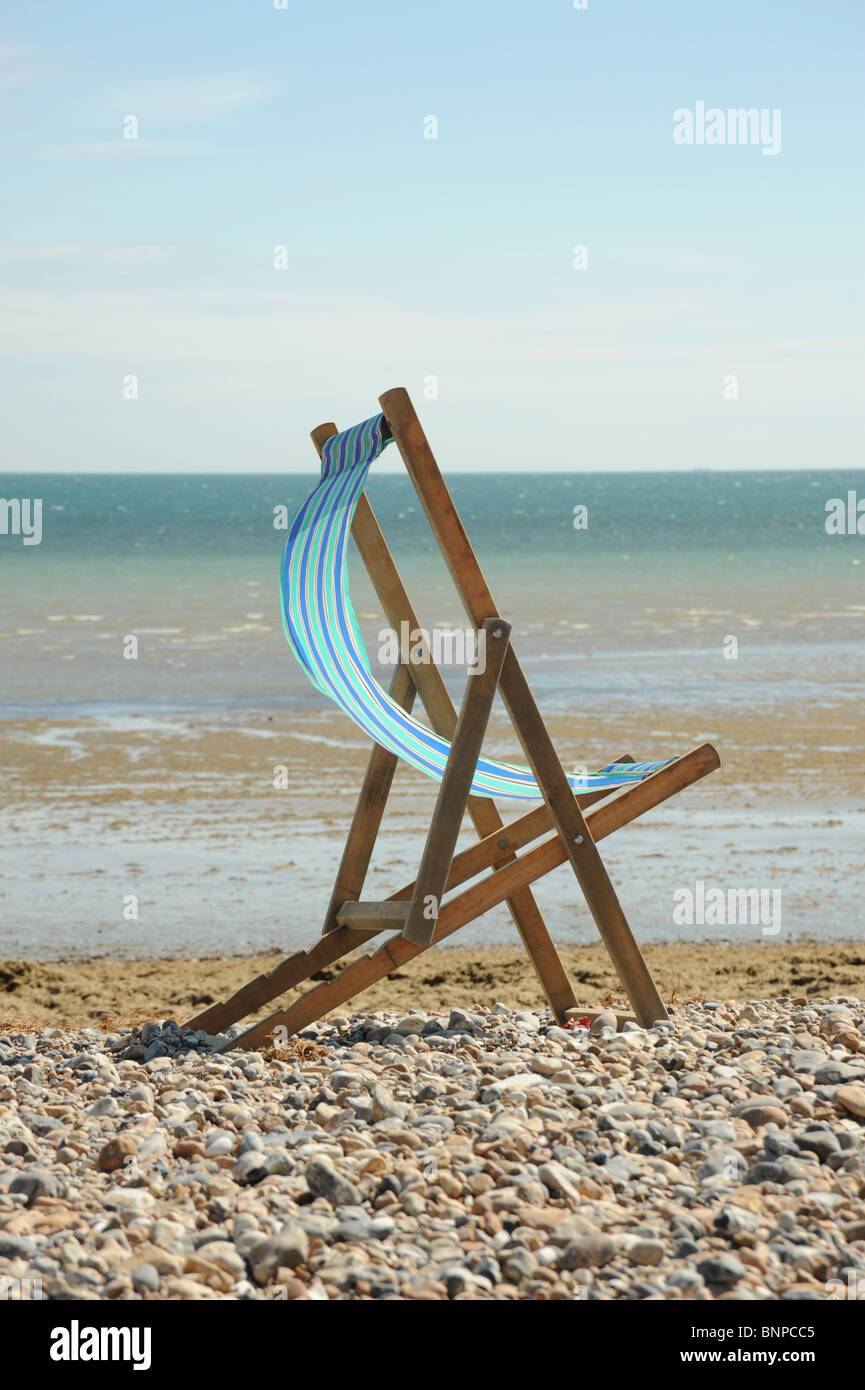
{"x": 228, "y": 514}
{"x": 669, "y": 564}
{"x": 154, "y": 777}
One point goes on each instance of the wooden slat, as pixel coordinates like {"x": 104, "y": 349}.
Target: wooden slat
{"x": 577, "y": 842}
{"x": 379, "y": 916}
{"x": 454, "y": 787}
{"x": 525, "y": 715}
{"x": 285, "y": 976}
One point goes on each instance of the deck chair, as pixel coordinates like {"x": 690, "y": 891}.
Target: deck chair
{"x": 322, "y": 630}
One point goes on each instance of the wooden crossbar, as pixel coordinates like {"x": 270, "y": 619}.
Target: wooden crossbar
{"x": 487, "y": 853}
{"x": 604, "y": 820}
{"x": 373, "y": 917}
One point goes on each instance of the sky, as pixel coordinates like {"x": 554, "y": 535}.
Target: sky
{"x": 282, "y": 241}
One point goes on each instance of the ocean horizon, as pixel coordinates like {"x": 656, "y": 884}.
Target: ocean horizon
{"x": 190, "y": 563}
{"x": 681, "y": 608}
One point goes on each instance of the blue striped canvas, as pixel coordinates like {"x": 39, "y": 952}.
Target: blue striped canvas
{"x": 322, "y": 629}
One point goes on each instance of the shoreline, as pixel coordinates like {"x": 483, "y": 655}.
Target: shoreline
{"x": 184, "y": 821}
{"x": 104, "y": 992}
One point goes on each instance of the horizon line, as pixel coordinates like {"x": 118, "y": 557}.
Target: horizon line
{"x": 397, "y": 471}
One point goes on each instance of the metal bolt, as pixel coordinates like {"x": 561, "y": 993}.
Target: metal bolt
{"x": 497, "y": 632}
{"x": 503, "y": 844}
{"x": 578, "y": 839}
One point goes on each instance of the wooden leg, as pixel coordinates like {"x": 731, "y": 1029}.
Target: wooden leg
{"x": 292, "y": 971}
{"x": 487, "y": 853}
{"x": 537, "y": 745}
{"x": 580, "y": 848}
{"x": 454, "y": 787}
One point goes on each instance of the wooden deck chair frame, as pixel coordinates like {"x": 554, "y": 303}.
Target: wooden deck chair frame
{"x": 416, "y": 911}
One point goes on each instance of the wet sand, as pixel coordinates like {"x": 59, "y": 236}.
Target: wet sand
{"x": 181, "y": 815}
{"x": 104, "y": 993}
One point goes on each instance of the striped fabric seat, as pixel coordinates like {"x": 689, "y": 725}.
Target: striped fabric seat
{"x": 322, "y": 629}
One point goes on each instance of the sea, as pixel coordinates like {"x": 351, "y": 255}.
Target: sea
{"x": 682, "y": 605}
{"x": 622, "y": 599}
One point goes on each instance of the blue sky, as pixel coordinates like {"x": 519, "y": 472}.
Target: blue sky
{"x": 410, "y": 258}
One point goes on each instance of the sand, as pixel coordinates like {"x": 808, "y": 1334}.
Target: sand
{"x": 182, "y": 814}
{"x": 106, "y": 992}
{"x": 185, "y": 816}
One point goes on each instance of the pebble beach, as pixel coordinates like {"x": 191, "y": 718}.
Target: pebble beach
{"x": 480, "y": 1154}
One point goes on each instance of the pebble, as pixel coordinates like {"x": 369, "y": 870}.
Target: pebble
{"x": 589, "y": 1251}
{"x": 34, "y": 1183}
{"x": 481, "y": 1154}
{"x": 286, "y": 1250}
{"x": 323, "y": 1180}
{"x": 646, "y": 1252}
{"x": 114, "y": 1154}
{"x": 721, "y": 1269}
{"x": 852, "y": 1098}
{"x": 758, "y": 1115}
{"x": 146, "y": 1276}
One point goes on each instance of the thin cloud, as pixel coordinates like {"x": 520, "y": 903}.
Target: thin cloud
{"x": 19, "y": 66}
{"x": 263, "y": 329}
{"x": 189, "y": 100}
{"x": 673, "y": 259}
{"x": 104, "y": 253}
{"x": 115, "y": 149}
